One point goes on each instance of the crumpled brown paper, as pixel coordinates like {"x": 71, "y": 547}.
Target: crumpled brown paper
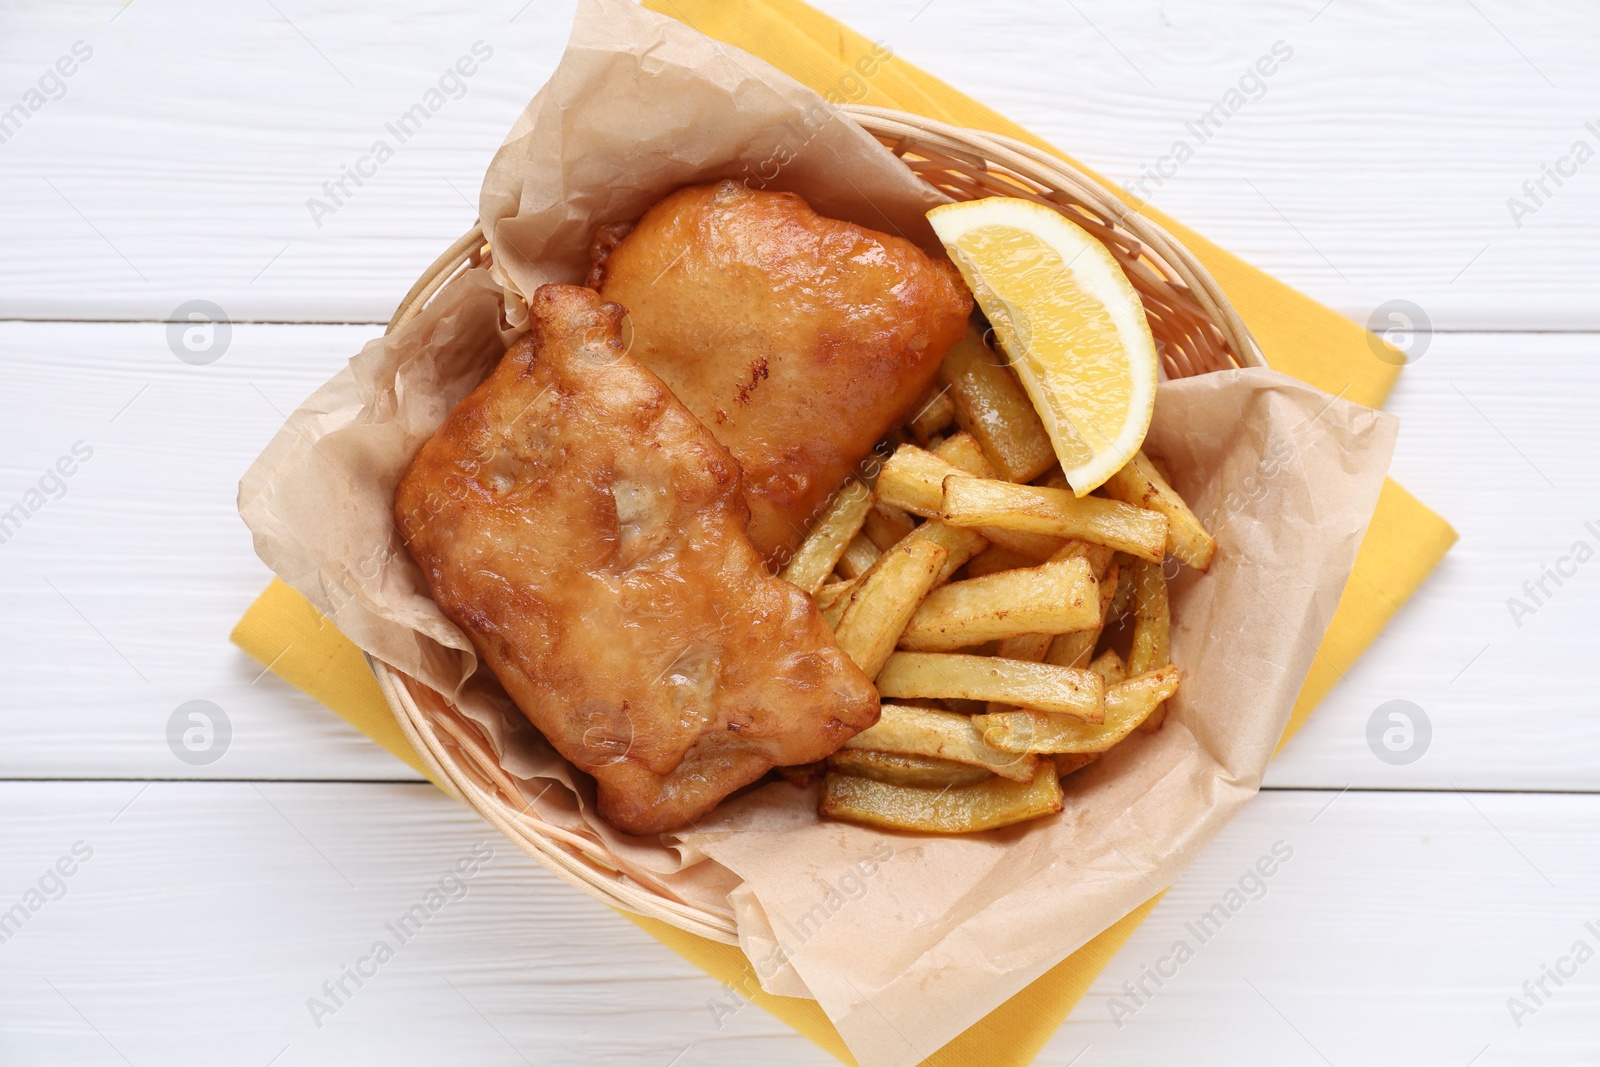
{"x": 904, "y": 940}
{"x": 640, "y": 105}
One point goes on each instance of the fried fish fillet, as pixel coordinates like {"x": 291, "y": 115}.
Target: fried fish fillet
{"x": 588, "y": 534}
{"x": 798, "y": 339}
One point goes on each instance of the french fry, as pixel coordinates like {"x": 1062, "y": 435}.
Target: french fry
{"x": 887, "y": 525}
{"x": 1141, "y": 484}
{"x": 994, "y": 558}
{"x": 1029, "y": 647}
{"x": 887, "y": 596}
{"x": 990, "y": 404}
{"x": 831, "y": 592}
{"x": 985, "y": 805}
{"x": 1127, "y": 704}
{"x": 949, "y": 675}
{"x": 1034, "y": 647}
{"x": 1053, "y": 597}
{"x": 1100, "y": 557}
{"x": 834, "y": 612}
{"x": 859, "y": 556}
{"x": 898, "y": 768}
{"x": 1122, "y": 599}
{"x": 1109, "y": 666}
{"x": 997, "y": 505}
{"x": 933, "y": 414}
{"x": 1072, "y": 649}
{"x": 959, "y": 545}
{"x": 1068, "y": 762}
{"x": 913, "y": 731}
{"x": 1068, "y": 649}
{"x": 1151, "y": 630}
{"x": 913, "y": 480}
{"x": 819, "y": 553}
{"x": 911, "y": 472}
{"x": 1076, "y": 649}
{"x": 962, "y": 451}
{"x": 1054, "y": 478}
{"x": 1150, "y": 619}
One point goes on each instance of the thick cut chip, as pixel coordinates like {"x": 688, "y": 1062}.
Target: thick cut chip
{"x": 1043, "y": 647}
{"x": 954, "y": 676}
{"x": 1127, "y": 705}
{"x": 963, "y": 450}
{"x": 1122, "y": 598}
{"x": 943, "y": 734}
{"x": 887, "y": 525}
{"x": 588, "y": 534}
{"x": 1072, "y": 762}
{"x": 986, "y": 805}
{"x": 1142, "y": 484}
{"x": 990, "y": 404}
{"x": 1109, "y": 666}
{"x": 884, "y": 599}
{"x": 898, "y": 768}
{"x": 820, "y": 552}
{"x": 913, "y": 480}
{"x": 834, "y": 612}
{"x": 1076, "y": 649}
{"x": 1151, "y": 626}
{"x": 1150, "y": 619}
{"x": 831, "y": 592}
{"x": 1052, "y": 598}
{"x": 990, "y": 504}
{"x": 932, "y": 415}
{"x": 959, "y": 545}
{"x": 1031, "y": 647}
{"x": 859, "y": 556}
{"x": 798, "y": 340}
{"x": 994, "y": 559}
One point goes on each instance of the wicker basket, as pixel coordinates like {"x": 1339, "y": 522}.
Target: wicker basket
{"x": 1196, "y": 331}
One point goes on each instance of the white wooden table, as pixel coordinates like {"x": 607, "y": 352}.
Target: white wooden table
{"x": 206, "y": 904}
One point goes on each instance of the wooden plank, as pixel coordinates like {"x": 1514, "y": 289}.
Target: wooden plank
{"x": 1395, "y": 933}
{"x": 178, "y": 164}
{"x": 1496, "y": 435}
{"x": 146, "y": 543}
{"x": 118, "y": 597}
{"x": 1367, "y": 169}
{"x": 223, "y": 124}
{"x": 209, "y": 913}
{"x": 180, "y": 160}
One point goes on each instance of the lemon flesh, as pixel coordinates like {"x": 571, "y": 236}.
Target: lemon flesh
{"x": 1070, "y": 322}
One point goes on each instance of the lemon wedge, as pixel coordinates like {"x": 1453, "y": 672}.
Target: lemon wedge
{"x": 1070, "y": 322}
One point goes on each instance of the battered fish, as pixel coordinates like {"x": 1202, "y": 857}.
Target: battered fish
{"x": 588, "y": 534}
{"x": 799, "y": 340}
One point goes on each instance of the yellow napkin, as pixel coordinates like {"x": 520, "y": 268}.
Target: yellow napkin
{"x": 1297, "y": 335}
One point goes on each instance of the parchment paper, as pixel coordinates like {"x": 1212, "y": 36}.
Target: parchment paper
{"x": 904, "y": 940}
{"x": 642, "y": 104}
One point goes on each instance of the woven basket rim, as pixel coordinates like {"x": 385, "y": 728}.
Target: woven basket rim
{"x": 448, "y": 744}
